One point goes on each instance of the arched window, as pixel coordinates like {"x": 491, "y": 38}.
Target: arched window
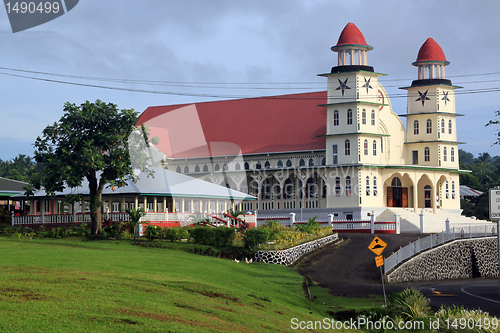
{"x": 311, "y": 162}
{"x": 442, "y": 126}
{"x": 447, "y": 191}
{"x": 445, "y": 154}
{"x": 363, "y": 117}
{"x": 373, "y": 118}
{"x": 452, "y": 157}
{"x": 349, "y": 117}
{"x": 396, "y": 182}
{"x": 288, "y": 164}
{"x": 347, "y": 146}
{"x": 375, "y": 186}
{"x": 225, "y": 167}
{"x": 266, "y": 190}
{"x": 280, "y": 164}
{"x": 302, "y": 162}
{"x": 197, "y": 168}
{"x": 288, "y": 189}
{"x": 450, "y": 125}
{"x": 427, "y": 154}
{"x": 429, "y": 126}
{"x": 267, "y": 165}
{"x": 217, "y": 167}
{"x": 415, "y": 127}
{"x": 374, "y": 148}
{"x": 348, "y": 186}
{"x": 335, "y": 118}
{"x": 258, "y": 166}
{"x": 247, "y": 167}
{"x": 323, "y": 161}
{"x": 453, "y": 190}
{"x": 205, "y": 168}
{"x": 311, "y": 189}
{"x": 178, "y": 170}
{"x": 367, "y": 185}
{"x": 337, "y": 186}
{"x": 365, "y": 145}
{"x": 186, "y": 169}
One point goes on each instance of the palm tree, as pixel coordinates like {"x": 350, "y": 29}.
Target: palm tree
{"x": 135, "y": 218}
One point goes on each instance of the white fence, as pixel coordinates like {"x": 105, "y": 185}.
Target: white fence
{"x": 458, "y": 231}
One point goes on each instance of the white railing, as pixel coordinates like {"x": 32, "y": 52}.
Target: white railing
{"x": 350, "y": 225}
{"x": 422, "y": 244}
{"x": 185, "y": 219}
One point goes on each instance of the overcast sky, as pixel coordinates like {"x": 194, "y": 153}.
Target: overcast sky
{"x": 284, "y": 42}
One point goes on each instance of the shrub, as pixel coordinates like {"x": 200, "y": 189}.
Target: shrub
{"x": 275, "y": 229}
{"x": 407, "y": 305}
{"x": 224, "y": 236}
{"x": 172, "y": 234}
{"x": 203, "y": 235}
{"x": 153, "y": 232}
{"x": 457, "y": 319}
{"x": 255, "y": 237}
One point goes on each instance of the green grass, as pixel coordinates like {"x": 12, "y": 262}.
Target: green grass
{"x": 70, "y": 285}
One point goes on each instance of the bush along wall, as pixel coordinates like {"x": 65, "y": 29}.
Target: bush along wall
{"x": 289, "y": 256}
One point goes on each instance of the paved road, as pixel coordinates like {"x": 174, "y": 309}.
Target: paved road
{"x": 348, "y": 269}
{"x": 471, "y": 294}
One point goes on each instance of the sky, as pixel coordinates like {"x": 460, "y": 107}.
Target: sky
{"x": 198, "y": 50}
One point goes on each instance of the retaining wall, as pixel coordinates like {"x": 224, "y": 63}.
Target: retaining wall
{"x": 460, "y": 259}
{"x": 289, "y": 256}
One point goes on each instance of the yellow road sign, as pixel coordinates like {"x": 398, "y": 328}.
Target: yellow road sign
{"x": 377, "y": 246}
{"x": 379, "y": 260}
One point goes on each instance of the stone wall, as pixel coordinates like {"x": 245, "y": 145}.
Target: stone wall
{"x": 289, "y": 256}
{"x": 460, "y": 259}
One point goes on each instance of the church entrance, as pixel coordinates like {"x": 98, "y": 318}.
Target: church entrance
{"x": 427, "y": 197}
{"x": 397, "y": 196}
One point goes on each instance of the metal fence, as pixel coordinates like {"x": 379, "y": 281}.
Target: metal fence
{"x": 458, "y": 231}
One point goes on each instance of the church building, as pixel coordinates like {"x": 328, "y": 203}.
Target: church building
{"x": 343, "y": 151}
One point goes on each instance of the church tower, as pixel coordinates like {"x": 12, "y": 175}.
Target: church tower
{"x": 353, "y": 134}
{"x": 431, "y": 118}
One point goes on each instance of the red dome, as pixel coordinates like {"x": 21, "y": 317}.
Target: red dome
{"x": 431, "y": 51}
{"x": 351, "y": 36}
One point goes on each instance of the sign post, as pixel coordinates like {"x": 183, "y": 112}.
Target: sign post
{"x": 377, "y": 246}
{"x": 495, "y": 215}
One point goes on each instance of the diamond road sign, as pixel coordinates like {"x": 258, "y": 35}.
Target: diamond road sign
{"x": 495, "y": 203}
{"x": 377, "y": 246}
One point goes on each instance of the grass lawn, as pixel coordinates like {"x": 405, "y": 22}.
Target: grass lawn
{"x": 70, "y": 285}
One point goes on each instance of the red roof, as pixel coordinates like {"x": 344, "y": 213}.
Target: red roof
{"x": 254, "y": 125}
{"x": 351, "y": 36}
{"x": 430, "y": 51}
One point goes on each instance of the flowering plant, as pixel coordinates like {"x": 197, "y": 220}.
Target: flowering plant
{"x": 153, "y": 232}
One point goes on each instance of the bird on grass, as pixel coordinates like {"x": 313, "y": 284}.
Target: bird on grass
{"x": 236, "y": 261}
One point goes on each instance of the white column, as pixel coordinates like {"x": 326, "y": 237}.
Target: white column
{"x": 292, "y": 219}
{"x": 372, "y": 222}
{"x": 397, "y": 218}
{"x": 339, "y": 58}
{"x": 182, "y": 206}
{"x": 422, "y": 229}
{"x": 155, "y": 209}
{"x": 352, "y": 56}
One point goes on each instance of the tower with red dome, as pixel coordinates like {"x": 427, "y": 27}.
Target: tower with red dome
{"x": 431, "y": 139}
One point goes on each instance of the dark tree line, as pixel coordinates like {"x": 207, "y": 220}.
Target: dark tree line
{"x": 19, "y": 168}
{"x": 485, "y": 175}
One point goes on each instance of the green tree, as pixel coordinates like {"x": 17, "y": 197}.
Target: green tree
{"x": 90, "y": 141}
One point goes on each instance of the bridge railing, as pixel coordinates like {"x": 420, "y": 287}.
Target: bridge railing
{"x": 458, "y": 231}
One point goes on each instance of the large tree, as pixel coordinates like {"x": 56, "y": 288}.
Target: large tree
{"x": 90, "y": 141}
